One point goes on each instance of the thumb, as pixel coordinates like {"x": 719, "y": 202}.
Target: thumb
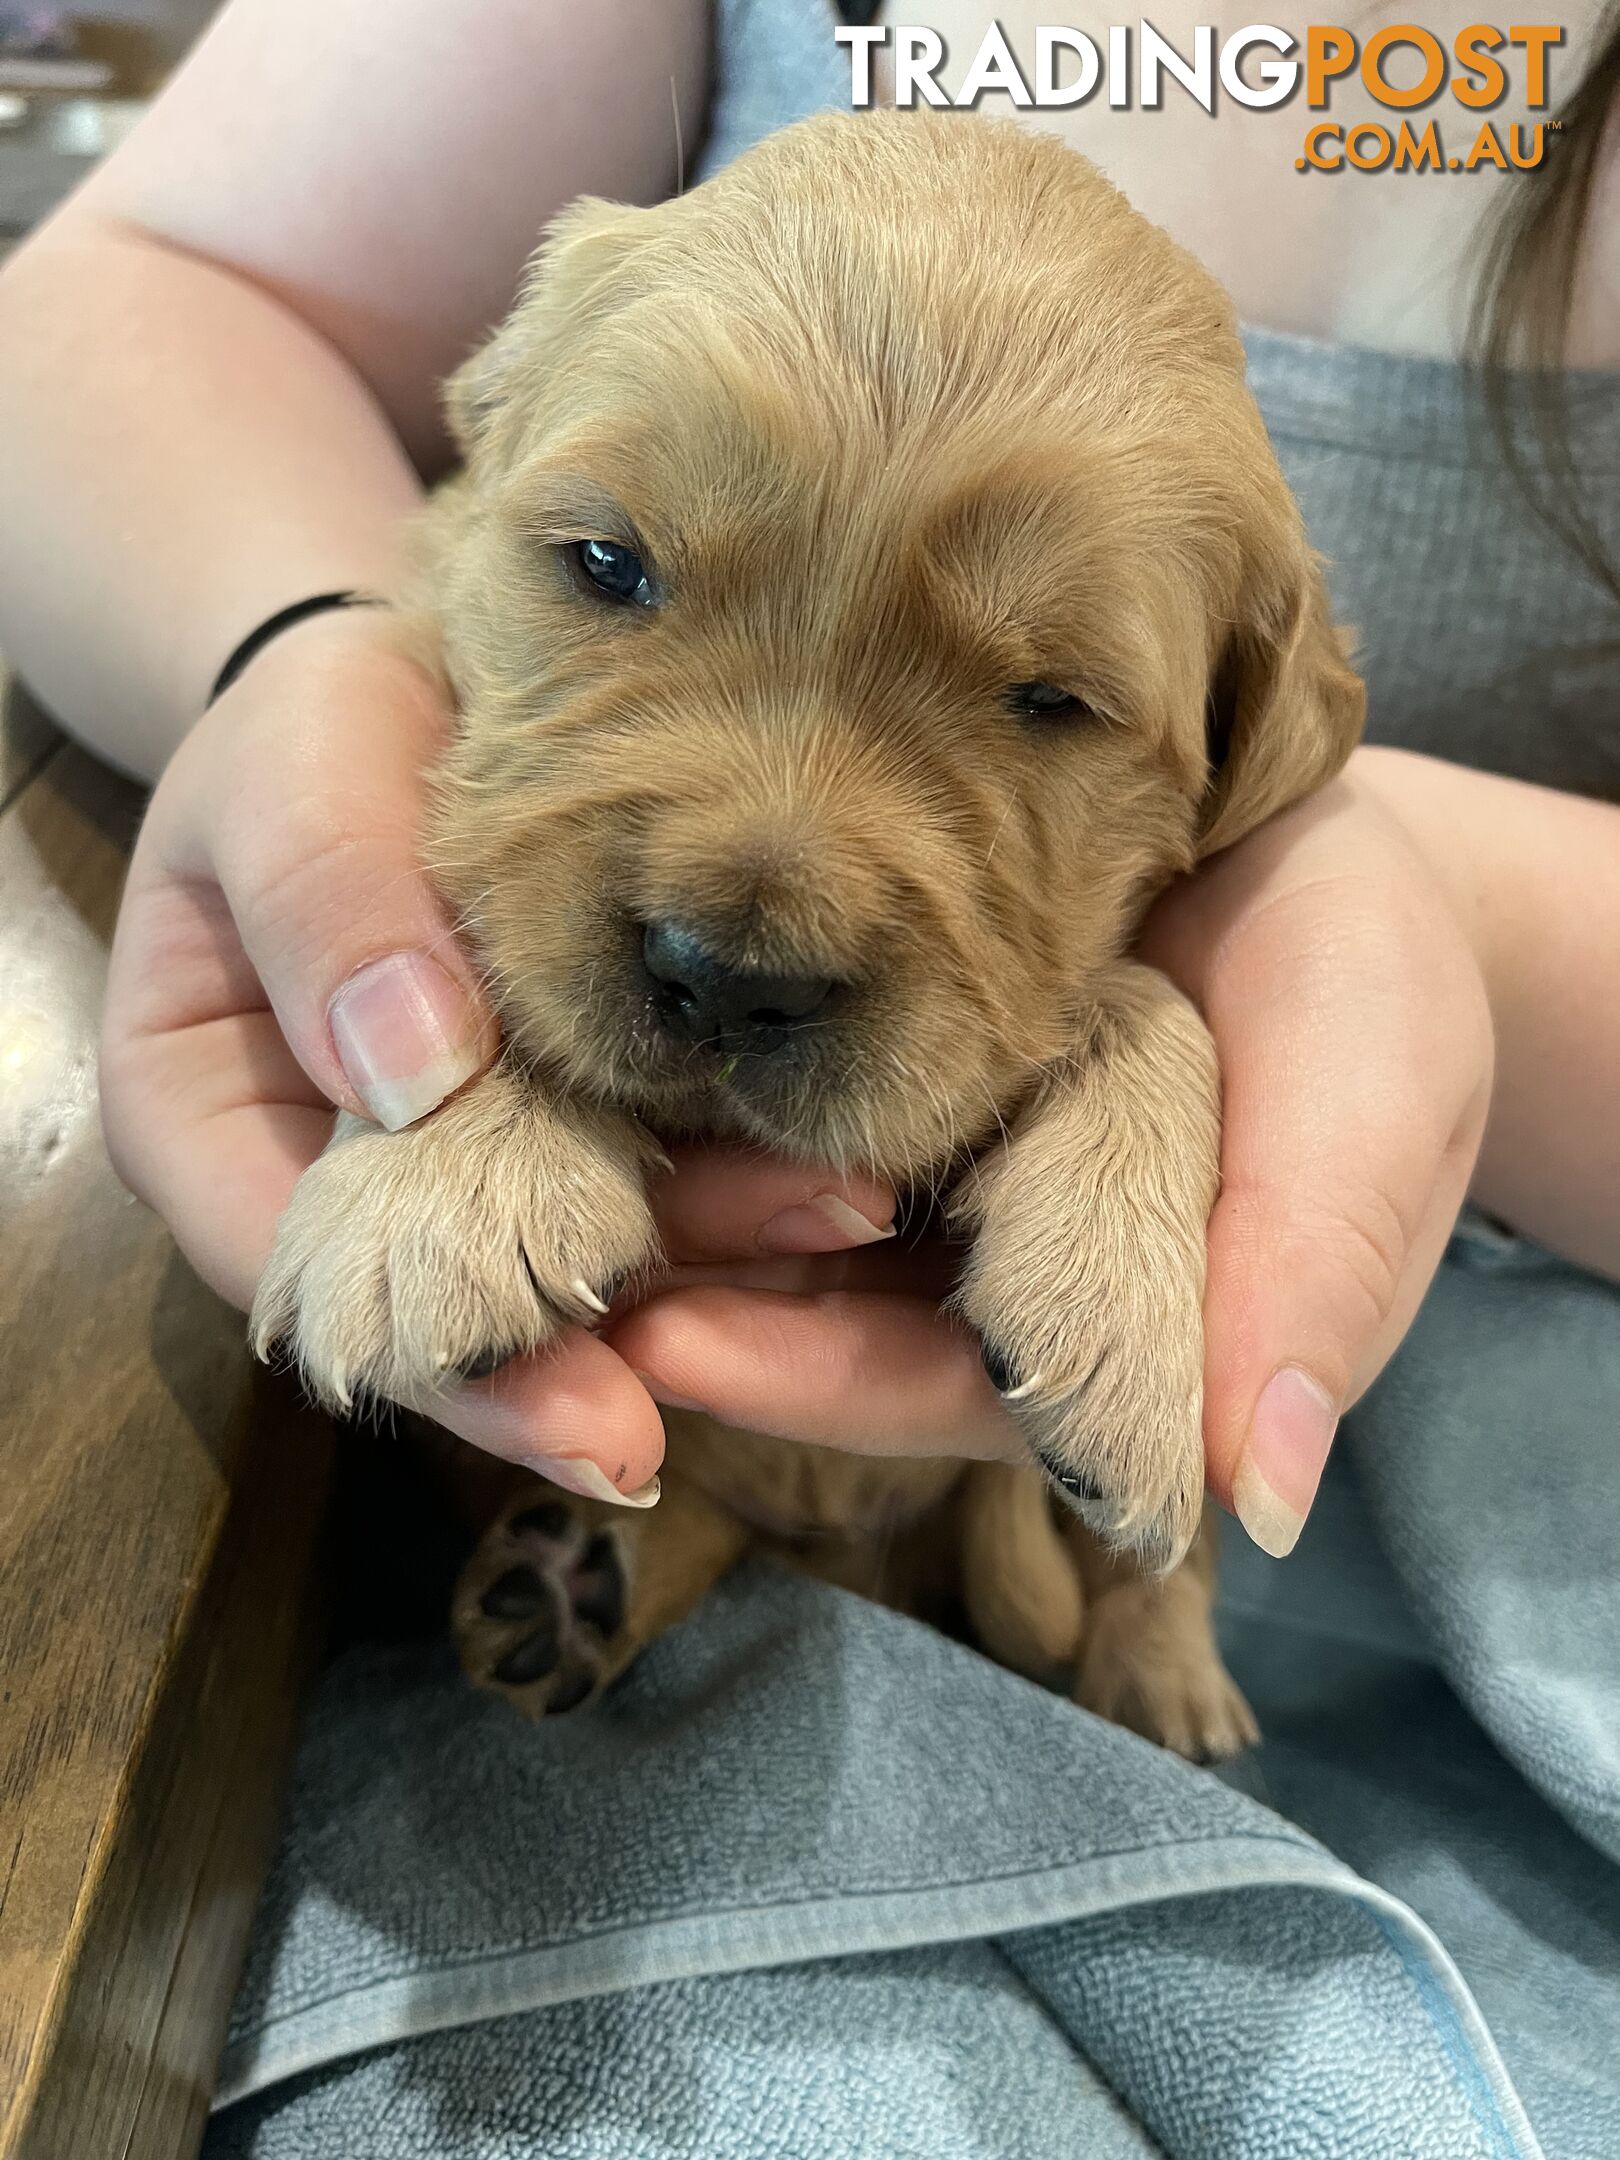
{"x": 1338, "y": 1197}
{"x": 1354, "y": 1040}
{"x": 312, "y": 768}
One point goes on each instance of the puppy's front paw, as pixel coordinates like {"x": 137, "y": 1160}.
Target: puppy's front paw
{"x": 409, "y": 1259}
{"x": 1086, "y": 1277}
{"x": 1106, "y": 1384}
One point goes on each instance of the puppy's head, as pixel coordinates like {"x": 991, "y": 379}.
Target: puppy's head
{"x": 869, "y": 582}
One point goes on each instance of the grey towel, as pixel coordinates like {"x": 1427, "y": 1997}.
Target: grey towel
{"x": 603, "y": 1934}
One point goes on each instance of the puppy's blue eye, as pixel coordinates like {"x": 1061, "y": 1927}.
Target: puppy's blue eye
{"x": 1045, "y": 701}
{"x": 617, "y": 573}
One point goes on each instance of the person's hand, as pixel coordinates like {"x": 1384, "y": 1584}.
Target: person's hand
{"x": 278, "y": 952}
{"x": 1355, "y": 1042}
{"x": 1353, "y": 1026}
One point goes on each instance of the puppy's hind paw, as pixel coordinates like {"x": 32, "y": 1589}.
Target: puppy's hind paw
{"x": 539, "y": 1613}
{"x": 1165, "y": 1681}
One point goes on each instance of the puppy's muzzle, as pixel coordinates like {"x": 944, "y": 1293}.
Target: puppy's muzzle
{"x": 700, "y": 996}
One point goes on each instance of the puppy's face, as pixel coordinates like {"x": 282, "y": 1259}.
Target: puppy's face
{"x": 853, "y": 560}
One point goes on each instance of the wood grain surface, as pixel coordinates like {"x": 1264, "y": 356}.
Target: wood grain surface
{"x": 160, "y": 1510}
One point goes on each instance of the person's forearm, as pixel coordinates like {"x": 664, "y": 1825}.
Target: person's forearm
{"x": 1536, "y": 877}
{"x": 180, "y": 456}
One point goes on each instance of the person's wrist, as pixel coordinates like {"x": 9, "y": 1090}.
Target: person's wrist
{"x": 350, "y": 659}
{"x": 316, "y": 643}
{"x": 305, "y": 778}
{"x": 280, "y": 622}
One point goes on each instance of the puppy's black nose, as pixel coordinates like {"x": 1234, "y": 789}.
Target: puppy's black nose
{"x": 706, "y": 999}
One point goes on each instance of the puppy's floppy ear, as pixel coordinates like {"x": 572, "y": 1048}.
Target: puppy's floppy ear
{"x": 1285, "y": 707}
{"x": 573, "y": 279}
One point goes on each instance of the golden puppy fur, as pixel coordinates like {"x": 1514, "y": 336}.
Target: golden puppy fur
{"x": 901, "y": 414}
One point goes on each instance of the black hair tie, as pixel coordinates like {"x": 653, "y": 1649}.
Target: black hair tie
{"x": 284, "y": 618}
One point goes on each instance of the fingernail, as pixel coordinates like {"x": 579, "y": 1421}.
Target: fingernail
{"x": 1293, "y": 1428}
{"x": 576, "y": 1475}
{"x": 825, "y": 1224}
{"x": 406, "y": 1037}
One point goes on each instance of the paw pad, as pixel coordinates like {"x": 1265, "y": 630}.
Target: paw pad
{"x": 517, "y": 1595}
{"x": 532, "y": 1656}
{"x": 542, "y": 1604}
{"x": 596, "y": 1587}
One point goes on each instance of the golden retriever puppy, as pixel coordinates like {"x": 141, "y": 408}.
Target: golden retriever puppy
{"x": 869, "y": 583}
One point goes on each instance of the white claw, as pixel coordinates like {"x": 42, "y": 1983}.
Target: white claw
{"x": 586, "y": 1295}
{"x": 1024, "y": 1389}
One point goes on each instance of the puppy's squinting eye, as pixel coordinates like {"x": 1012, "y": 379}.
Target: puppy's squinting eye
{"x": 1044, "y": 701}
{"x": 617, "y": 573}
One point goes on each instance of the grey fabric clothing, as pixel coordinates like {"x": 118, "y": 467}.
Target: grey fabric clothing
{"x": 813, "y": 1882}
{"x": 1481, "y": 639}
